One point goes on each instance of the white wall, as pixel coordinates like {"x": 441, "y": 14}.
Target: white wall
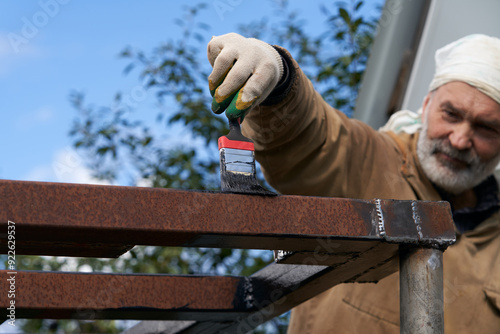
{"x": 448, "y": 20}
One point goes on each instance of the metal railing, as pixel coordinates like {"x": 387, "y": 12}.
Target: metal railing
{"x": 322, "y": 242}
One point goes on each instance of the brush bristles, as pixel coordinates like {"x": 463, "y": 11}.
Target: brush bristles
{"x": 237, "y": 173}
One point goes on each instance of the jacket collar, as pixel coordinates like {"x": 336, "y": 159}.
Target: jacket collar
{"x": 467, "y": 219}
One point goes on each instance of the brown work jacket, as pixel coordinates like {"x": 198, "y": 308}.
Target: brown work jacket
{"x": 306, "y": 147}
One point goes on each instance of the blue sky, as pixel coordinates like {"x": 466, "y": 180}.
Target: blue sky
{"x": 50, "y": 47}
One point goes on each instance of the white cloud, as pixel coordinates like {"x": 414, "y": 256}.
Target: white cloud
{"x": 40, "y": 173}
{"x": 34, "y": 118}
{"x": 147, "y": 183}
{"x": 43, "y": 114}
{"x": 68, "y": 167}
{"x": 10, "y": 57}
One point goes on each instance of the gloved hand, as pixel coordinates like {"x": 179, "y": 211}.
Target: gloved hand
{"x": 245, "y": 71}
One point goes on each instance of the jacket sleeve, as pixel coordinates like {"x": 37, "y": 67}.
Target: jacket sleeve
{"x": 306, "y": 147}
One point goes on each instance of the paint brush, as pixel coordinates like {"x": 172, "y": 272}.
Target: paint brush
{"x": 237, "y": 163}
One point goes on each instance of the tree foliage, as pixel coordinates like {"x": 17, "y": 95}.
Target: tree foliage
{"x": 180, "y": 151}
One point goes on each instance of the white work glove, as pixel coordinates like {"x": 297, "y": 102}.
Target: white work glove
{"x": 245, "y": 71}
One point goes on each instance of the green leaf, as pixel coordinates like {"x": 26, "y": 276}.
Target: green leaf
{"x": 103, "y": 150}
{"x": 345, "y": 16}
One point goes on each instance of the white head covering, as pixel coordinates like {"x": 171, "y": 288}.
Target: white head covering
{"x": 473, "y": 59}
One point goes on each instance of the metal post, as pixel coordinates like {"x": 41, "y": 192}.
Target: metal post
{"x": 421, "y": 290}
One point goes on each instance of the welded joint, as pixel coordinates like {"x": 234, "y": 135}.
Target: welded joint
{"x": 249, "y": 297}
{"x": 281, "y": 255}
{"x": 407, "y": 235}
{"x": 380, "y": 215}
{"x": 436, "y": 243}
{"x": 416, "y": 219}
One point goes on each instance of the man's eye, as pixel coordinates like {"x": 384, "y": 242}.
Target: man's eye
{"x": 451, "y": 115}
{"x": 487, "y": 129}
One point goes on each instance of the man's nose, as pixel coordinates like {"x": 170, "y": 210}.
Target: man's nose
{"x": 461, "y": 137}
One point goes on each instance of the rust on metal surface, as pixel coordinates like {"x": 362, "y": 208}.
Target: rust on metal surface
{"x": 340, "y": 240}
{"x": 69, "y": 248}
{"x": 93, "y": 220}
{"x": 56, "y": 295}
{"x": 221, "y": 301}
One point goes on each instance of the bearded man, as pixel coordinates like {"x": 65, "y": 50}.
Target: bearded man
{"x": 306, "y": 147}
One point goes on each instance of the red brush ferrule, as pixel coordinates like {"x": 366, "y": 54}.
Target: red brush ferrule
{"x": 224, "y": 142}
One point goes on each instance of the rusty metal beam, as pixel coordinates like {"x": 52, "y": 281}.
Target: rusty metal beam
{"x": 106, "y": 221}
{"x": 58, "y": 295}
{"x": 229, "y": 303}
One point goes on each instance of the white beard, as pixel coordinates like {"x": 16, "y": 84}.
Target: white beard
{"x": 446, "y": 176}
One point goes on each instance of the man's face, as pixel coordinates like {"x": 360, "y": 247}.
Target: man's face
{"x": 460, "y": 142}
